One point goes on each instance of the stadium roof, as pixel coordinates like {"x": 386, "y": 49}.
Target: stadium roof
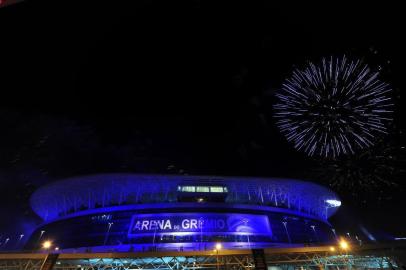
{"x": 77, "y": 194}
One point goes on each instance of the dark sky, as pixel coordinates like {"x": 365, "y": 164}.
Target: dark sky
{"x": 185, "y": 87}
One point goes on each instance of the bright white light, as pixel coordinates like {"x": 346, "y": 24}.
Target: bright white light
{"x": 333, "y": 203}
{"x": 218, "y": 246}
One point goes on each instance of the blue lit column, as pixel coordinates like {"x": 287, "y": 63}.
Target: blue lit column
{"x": 107, "y": 233}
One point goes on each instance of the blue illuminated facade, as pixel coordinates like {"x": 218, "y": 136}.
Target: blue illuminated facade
{"x": 130, "y": 212}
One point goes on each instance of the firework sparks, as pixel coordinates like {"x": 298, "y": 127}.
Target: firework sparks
{"x": 373, "y": 174}
{"x": 333, "y": 108}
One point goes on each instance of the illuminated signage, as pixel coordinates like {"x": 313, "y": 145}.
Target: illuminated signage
{"x": 192, "y": 223}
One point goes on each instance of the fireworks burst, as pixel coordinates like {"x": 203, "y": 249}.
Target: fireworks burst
{"x": 333, "y": 108}
{"x": 378, "y": 170}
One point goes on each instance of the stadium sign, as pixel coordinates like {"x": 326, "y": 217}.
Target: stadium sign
{"x": 194, "y": 223}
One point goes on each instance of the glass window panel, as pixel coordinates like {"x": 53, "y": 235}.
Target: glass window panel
{"x": 202, "y": 189}
{"x": 188, "y": 188}
{"x": 216, "y": 189}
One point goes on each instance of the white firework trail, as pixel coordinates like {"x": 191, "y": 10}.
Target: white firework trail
{"x": 334, "y": 107}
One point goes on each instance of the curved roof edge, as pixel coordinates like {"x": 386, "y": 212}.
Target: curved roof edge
{"x": 58, "y": 198}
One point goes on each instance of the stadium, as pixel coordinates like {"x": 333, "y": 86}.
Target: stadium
{"x": 130, "y": 212}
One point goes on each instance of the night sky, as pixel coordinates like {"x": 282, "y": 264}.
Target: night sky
{"x": 178, "y": 87}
